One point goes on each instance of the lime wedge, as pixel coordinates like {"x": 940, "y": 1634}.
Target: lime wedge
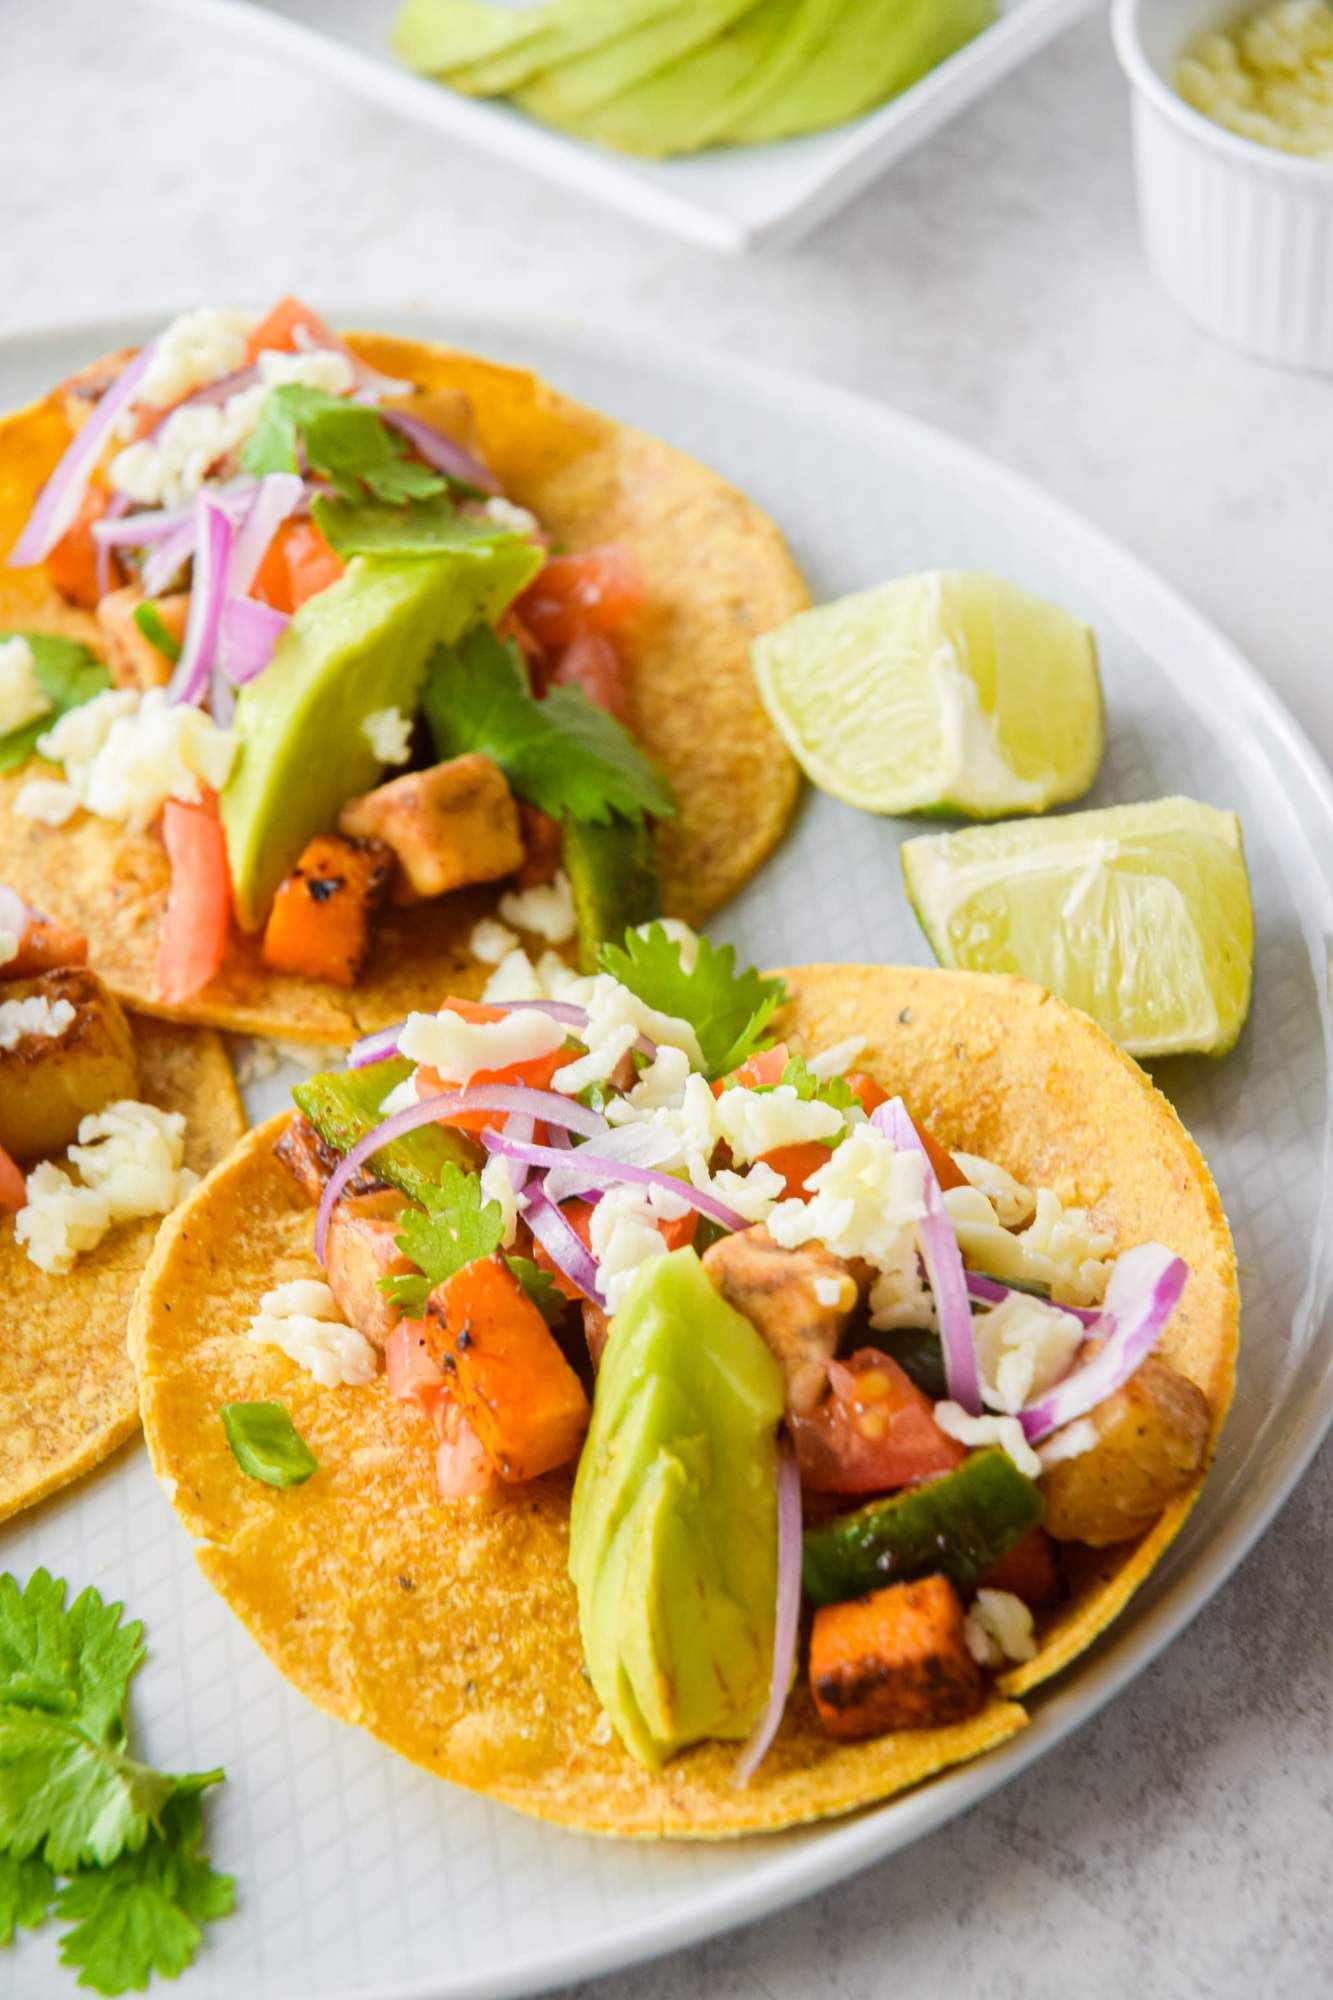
{"x": 1140, "y": 915}
{"x": 946, "y": 692}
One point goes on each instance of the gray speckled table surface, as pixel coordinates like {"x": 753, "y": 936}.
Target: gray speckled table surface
{"x": 1181, "y": 1843}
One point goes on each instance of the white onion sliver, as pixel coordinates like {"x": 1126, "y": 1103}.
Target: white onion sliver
{"x": 58, "y": 502}
{"x": 602, "y": 1171}
{"x": 441, "y": 452}
{"x": 643, "y": 1144}
{"x": 786, "y": 1620}
{"x": 1144, "y": 1291}
{"x": 944, "y": 1264}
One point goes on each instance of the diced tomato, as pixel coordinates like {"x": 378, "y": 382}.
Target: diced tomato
{"x": 279, "y": 328}
{"x": 1030, "y": 1571}
{"x": 592, "y": 592}
{"x": 873, "y": 1432}
{"x": 13, "y": 1187}
{"x": 45, "y": 947}
{"x": 872, "y": 1095}
{"x": 71, "y": 566}
{"x": 297, "y": 565}
{"x": 413, "y": 1373}
{"x": 758, "y": 1072}
{"x": 796, "y": 1164}
{"x": 535, "y": 1074}
{"x": 676, "y": 1234}
{"x": 463, "y": 1466}
{"x": 592, "y": 663}
{"x": 193, "y": 936}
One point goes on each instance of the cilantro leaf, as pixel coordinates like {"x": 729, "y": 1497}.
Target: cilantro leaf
{"x": 348, "y": 443}
{"x": 540, "y": 1287}
{"x": 728, "y": 1011}
{"x": 26, "y": 1890}
{"x": 563, "y": 754}
{"x": 144, "y": 1913}
{"x": 429, "y": 527}
{"x": 809, "y": 1088}
{"x": 266, "y": 1443}
{"x": 457, "y": 1228}
{"x": 68, "y": 673}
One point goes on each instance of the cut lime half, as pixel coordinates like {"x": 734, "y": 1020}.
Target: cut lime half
{"x": 1140, "y": 915}
{"x": 947, "y": 692}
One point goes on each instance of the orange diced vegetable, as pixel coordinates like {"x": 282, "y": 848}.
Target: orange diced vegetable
{"x": 757, "y": 1072}
{"x": 1029, "y": 1570}
{"x": 320, "y": 923}
{"x": 193, "y": 936}
{"x": 72, "y": 564}
{"x": 298, "y": 563}
{"x": 45, "y": 947}
{"x": 797, "y": 1163}
{"x": 13, "y": 1187}
{"x": 505, "y": 1370}
{"x": 897, "y": 1659}
{"x": 278, "y": 329}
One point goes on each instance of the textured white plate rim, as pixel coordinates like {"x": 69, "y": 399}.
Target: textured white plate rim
{"x": 1187, "y": 1579}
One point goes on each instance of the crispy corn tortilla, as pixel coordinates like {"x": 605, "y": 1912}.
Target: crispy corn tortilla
{"x": 450, "y": 1630}
{"x": 717, "y": 573}
{"x": 67, "y": 1391}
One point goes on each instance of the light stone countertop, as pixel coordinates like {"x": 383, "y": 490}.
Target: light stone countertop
{"x": 1182, "y": 1842}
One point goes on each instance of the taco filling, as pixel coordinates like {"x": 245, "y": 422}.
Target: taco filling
{"x": 825, "y": 1388}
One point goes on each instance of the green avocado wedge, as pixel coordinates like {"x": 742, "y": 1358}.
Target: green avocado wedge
{"x": 444, "y": 36}
{"x": 673, "y": 1530}
{"x": 568, "y": 90}
{"x": 689, "y": 104}
{"x": 613, "y": 879}
{"x": 570, "y": 30}
{"x": 359, "y": 646}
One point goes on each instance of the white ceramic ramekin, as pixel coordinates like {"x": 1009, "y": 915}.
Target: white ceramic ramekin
{"x": 1240, "y": 235}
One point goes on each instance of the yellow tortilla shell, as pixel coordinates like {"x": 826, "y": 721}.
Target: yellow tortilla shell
{"x": 717, "y": 573}
{"x": 67, "y": 1390}
{"x": 450, "y": 1630}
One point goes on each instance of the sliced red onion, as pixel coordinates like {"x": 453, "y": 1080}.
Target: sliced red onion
{"x": 277, "y": 495}
{"x": 190, "y": 681}
{"x": 518, "y": 1125}
{"x": 643, "y": 1143}
{"x": 595, "y": 1170}
{"x": 441, "y": 452}
{"x": 374, "y": 1048}
{"x": 786, "y": 1619}
{"x": 58, "y": 502}
{"x": 992, "y": 1293}
{"x": 564, "y": 1246}
{"x": 944, "y": 1264}
{"x": 247, "y": 633}
{"x": 169, "y": 556}
{"x": 500, "y": 1098}
{"x": 1144, "y": 1291}
{"x": 151, "y": 524}
{"x": 212, "y": 392}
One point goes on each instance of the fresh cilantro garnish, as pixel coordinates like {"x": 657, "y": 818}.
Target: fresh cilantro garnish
{"x": 307, "y": 430}
{"x": 728, "y": 1010}
{"x": 429, "y": 527}
{"x": 457, "y": 1228}
{"x": 540, "y": 1287}
{"x": 563, "y": 754}
{"x": 74, "y": 1802}
{"x": 266, "y": 1443}
{"x": 834, "y": 1090}
{"x": 150, "y": 622}
{"x": 68, "y": 675}
{"x": 145, "y": 1913}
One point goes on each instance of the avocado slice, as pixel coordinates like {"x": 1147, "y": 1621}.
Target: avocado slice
{"x": 343, "y": 1105}
{"x": 673, "y": 1529}
{"x": 683, "y": 107}
{"x": 358, "y": 646}
{"x": 568, "y": 89}
{"x": 568, "y": 30}
{"x": 440, "y": 36}
{"x": 613, "y": 876}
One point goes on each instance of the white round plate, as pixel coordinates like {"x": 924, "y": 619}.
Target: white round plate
{"x": 360, "y": 1876}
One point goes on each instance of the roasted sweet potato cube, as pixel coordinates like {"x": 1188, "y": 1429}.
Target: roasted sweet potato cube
{"x": 897, "y": 1659}
{"x": 362, "y": 1248}
{"x": 49, "y": 1082}
{"x": 320, "y": 923}
{"x": 799, "y": 1301}
{"x": 450, "y": 826}
{"x": 311, "y": 1161}
{"x": 132, "y": 657}
{"x": 1152, "y": 1435}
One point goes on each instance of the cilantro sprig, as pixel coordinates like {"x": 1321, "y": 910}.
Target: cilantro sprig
{"x": 809, "y": 1088}
{"x": 728, "y": 1010}
{"x": 564, "y": 754}
{"x": 75, "y": 1803}
{"x": 68, "y": 675}
{"x": 350, "y": 445}
{"x": 453, "y": 1228}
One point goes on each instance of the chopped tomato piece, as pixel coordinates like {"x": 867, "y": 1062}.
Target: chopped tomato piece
{"x": 193, "y": 936}
{"x": 872, "y": 1095}
{"x": 592, "y": 663}
{"x": 797, "y": 1163}
{"x": 505, "y": 1370}
{"x": 1030, "y": 1571}
{"x": 45, "y": 947}
{"x": 758, "y": 1072}
{"x": 875, "y": 1431}
{"x": 13, "y": 1187}
{"x": 297, "y": 565}
{"x": 320, "y": 923}
{"x": 413, "y": 1373}
{"x": 463, "y": 1466}
{"x": 72, "y": 566}
{"x": 279, "y": 328}
{"x": 535, "y": 1074}
{"x": 676, "y": 1234}
{"x": 592, "y": 592}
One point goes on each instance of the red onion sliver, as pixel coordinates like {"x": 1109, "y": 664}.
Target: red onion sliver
{"x": 151, "y": 524}
{"x": 212, "y": 392}
{"x": 58, "y": 502}
{"x": 786, "y": 1620}
{"x": 167, "y": 558}
{"x": 189, "y": 682}
{"x": 441, "y": 452}
{"x": 992, "y": 1293}
{"x": 1144, "y": 1291}
{"x": 944, "y": 1264}
{"x": 374, "y": 1048}
{"x": 277, "y": 495}
{"x": 564, "y": 1246}
{"x": 597, "y": 1171}
{"x": 247, "y": 634}
{"x": 495, "y": 1097}
{"x": 518, "y": 1125}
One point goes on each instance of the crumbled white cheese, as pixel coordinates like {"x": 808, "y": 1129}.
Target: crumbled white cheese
{"x": 998, "y": 1627}
{"x": 197, "y": 348}
{"x": 837, "y": 1060}
{"x": 506, "y": 514}
{"x": 401, "y": 1098}
{"x": 61, "y": 1220}
{"x": 49, "y": 801}
{"x": 457, "y": 1049}
{"x": 624, "y": 1235}
{"x": 616, "y": 1019}
{"x": 514, "y": 978}
{"x": 389, "y": 734}
{"x": 755, "y": 1122}
{"x": 862, "y": 1201}
{"x": 312, "y": 368}
{"x": 34, "y": 1015}
{"x": 752, "y": 1194}
{"x": 301, "y": 1318}
{"x": 22, "y": 697}
{"x": 9, "y": 946}
{"x": 497, "y": 1185}
{"x": 1013, "y": 1203}
{"x": 661, "y": 1084}
{"x": 547, "y": 910}
{"x": 126, "y": 754}
{"x": 561, "y": 982}
{"x": 1071, "y": 1442}
{"x": 131, "y": 1155}
{"x": 491, "y": 941}
{"x": 1007, "y": 1432}
{"x": 1060, "y": 1248}
{"x": 1023, "y": 1346}
{"x": 899, "y": 1294}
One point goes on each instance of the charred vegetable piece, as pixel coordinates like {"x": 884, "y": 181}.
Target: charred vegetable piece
{"x": 320, "y": 923}
{"x": 1152, "y": 1436}
{"x": 344, "y": 1105}
{"x": 779, "y": 1293}
{"x": 613, "y": 875}
{"x": 960, "y": 1524}
{"x": 45, "y": 947}
{"x": 918, "y": 1353}
{"x": 447, "y": 827}
{"x": 1030, "y": 1571}
{"x": 134, "y": 660}
{"x": 266, "y": 1443}
{"x": 310, "y": 1160}
{"x": 362, "y": 1249}
{"x": 505, "y": 1370}
{"x": 873, "y": 1432}
{"x": 49, "y": 1082}
{"x": 897, "y": 1659}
